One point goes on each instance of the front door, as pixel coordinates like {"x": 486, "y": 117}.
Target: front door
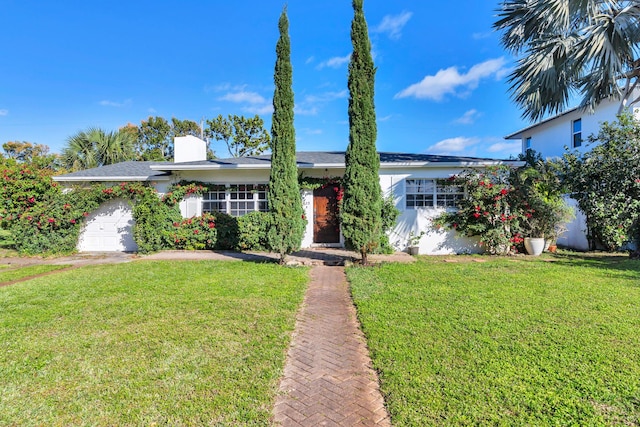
{"x": 326, "y": 224}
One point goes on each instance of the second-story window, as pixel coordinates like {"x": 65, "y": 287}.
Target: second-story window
{"x": 527, "y": 143}
{"x": 577, "y": 133}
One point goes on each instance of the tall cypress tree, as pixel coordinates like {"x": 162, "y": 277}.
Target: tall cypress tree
{"x": 362, "y": 203}
{"x": 285, "y": 203}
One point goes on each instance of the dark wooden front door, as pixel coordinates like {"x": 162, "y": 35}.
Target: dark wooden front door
{"x": 326, "y": 225}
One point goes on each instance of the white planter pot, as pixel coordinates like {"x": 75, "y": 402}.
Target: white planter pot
{"x": 534, "y": 245}
{"x": 414, "y": 250}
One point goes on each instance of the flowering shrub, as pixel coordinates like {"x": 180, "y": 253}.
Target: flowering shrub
{"x": 183, "y": 189}
{"x": 194, "y": 233}
{"x": 488, "y": 211}
{"x": 52, "y": 224}
{"x": 23, "y": 186}
{"x": 605, "y": 181}
{"x": 43, "y": 219}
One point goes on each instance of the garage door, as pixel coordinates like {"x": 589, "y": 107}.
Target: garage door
{"x": 109, "y": 229}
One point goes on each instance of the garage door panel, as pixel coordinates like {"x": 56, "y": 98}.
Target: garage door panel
{"x": 109, "y": 229}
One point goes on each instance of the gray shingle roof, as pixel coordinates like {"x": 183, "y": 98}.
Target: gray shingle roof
{"x": 132, "y": 170}
{"x": 143, "y": 171}
{"x": 309, "y": 158}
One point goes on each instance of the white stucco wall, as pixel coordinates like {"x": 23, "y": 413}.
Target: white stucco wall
{"x": 434, "y": 242}
{"x": 550, "y": 138}
{"x": 576, "y": 235}
{"x": 392, "y": 182}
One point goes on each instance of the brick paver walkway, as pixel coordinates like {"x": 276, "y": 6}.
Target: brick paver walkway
{"x": 327, "y": 379}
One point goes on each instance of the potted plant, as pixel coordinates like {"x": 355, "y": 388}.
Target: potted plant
{"x": 534, "y": 240}
{"x": 414, "y": 243}
{"x": 544, "y": 211}
{"x": 558, "y": 230}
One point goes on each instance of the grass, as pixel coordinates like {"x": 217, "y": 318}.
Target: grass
{"x": 147, "y": 343}
{"x": 550, "y": 341}
{"x": 20, "y": 273}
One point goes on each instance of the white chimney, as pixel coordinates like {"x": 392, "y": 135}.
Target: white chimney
{"x": 189, "y": 149}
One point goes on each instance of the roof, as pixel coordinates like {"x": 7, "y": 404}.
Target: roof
{"x": 124, "y": 171}
{"x": 517, "y": 135}
{"x": 161, "y": 171}
{"x": 334, "y": 159}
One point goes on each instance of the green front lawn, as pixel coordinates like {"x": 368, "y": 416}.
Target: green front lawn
{"x": 147, "y": 343}
{"x": 514, "y": 341}
{"x": 31, "y": 270}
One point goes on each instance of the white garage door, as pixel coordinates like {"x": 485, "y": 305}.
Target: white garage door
{"x": 109, "y": 229}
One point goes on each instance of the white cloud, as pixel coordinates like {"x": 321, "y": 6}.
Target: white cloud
{"x": 480, "y": 36}
{"x": 243, "y": 96}
{"x": 225, "y": 87}
{"x": 4, "y": 112}
{"x": 385, "y": 118}
{"x": 260, "y": 110}
{"x": 392, "y": 25}
{"x": 506, "y": 148}
{"x": 452, "y": 146}
{"x": 254, "y": 103}
{"x": 305, "y": 111}
{"x": 335, "y": 62}
{"x": 450, "y": 81}
{"x": 468, "y": 118}
{"x": 310, "y": 60}
{"x": 311, "y": 104}
{"x": 326, "y": 97}
{"x": 308, "y": 131}
{"x": 125, "y": 103}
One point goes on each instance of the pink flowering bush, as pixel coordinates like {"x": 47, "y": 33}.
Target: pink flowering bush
{"x": 52, "y": 222}
{"x": 194, "y": 233}
{"x": 488, "y": 211}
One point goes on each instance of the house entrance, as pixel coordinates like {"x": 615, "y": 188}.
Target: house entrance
{"x": 326, "y": 224}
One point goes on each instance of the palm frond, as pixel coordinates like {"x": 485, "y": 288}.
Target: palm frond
{"x": 565, "y": 45}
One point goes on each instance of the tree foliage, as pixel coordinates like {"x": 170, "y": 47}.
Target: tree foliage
{"x": 96, "y": 147}
{"x": 243, "y": 136}
{"x": 155, "y": 137}
{"x": 571, "y": 46}
{"x": 285, "y": 203}
{"x": 34, "y": 154}
{"x": 606, "y": 183}
{"x": 362, "y": 204}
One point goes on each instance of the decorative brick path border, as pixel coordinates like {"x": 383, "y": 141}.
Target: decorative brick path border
{"x": 328, "y": 380}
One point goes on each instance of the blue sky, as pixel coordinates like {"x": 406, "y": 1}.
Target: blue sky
{"x": 440, "y": 85}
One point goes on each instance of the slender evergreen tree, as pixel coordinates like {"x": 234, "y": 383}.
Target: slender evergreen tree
{"x": 285, "y": 203}
{"x": 362, "y": 203}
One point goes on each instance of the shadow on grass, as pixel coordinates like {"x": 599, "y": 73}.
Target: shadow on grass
{"x": 619, "y": 262}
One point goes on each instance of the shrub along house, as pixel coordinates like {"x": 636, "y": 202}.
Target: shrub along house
{"x": 569, "y": 132}
{"x": 417, "y": 183}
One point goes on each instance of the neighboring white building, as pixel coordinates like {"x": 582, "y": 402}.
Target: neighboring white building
{"x": 570, "y": 130}
{"x": 417, "y": 183}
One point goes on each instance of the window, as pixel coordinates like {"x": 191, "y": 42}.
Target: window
{"x": 527, "y": 143}
{"x": 236, "y": 199}
{"x": 215, "y": 200}
{"x": 425, "y": 193}
{"x": 577, "y": 133}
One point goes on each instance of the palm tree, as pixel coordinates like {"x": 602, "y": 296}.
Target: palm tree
{"x": 588, "y": 47}
{"x": 94, "y": 147}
